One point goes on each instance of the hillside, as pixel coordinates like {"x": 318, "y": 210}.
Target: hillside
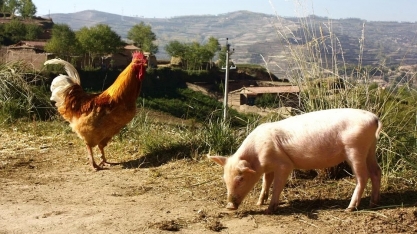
{"x": 255, "y": 34}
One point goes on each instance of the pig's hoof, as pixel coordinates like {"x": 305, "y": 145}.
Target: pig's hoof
{"x": 231, "y": 206}
{"x": 271, "y": 209}
{"x": 350, "y": 209}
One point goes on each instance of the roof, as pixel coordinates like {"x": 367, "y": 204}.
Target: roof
{"x": 131, "y": 47}
{"x": 272, "y": 89}
{"x": 29, "y": 44}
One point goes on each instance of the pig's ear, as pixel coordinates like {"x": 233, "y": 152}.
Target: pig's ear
{"x": 218, "y": 159}
{"x": 244, "y": 167}
{"x": 248, "y": 170}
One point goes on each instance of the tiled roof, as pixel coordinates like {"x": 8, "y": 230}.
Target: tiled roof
{"x": 131, "y": 47}
{"x": 29, "y": 44}
{"x": 272, "y": 89}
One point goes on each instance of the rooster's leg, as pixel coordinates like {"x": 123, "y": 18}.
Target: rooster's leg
{"x": 91, "y": 159}
{"x": 101, "y": 146}
{"x": 103, "y": 158}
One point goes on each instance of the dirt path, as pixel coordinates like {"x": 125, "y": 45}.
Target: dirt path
{"x": 48, "y": 187}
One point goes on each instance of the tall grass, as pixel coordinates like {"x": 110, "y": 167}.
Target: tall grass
{"x": 316, "y": 63}
{"x": 19, "y": 96}
{"x": 163, "y": 140}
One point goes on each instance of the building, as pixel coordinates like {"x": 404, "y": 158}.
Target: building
{"x": 288, "y": 95}
{"x": 31, "y": 52}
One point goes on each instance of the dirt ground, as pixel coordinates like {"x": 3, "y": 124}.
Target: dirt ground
{"x": 46, "y": 186}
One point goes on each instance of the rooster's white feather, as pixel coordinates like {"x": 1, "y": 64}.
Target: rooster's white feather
{"x": 61, "y": 83}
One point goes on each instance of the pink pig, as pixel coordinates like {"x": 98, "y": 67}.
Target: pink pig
{"x": 314, "y": 140}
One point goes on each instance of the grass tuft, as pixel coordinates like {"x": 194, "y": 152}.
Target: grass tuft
{"x": 20, "y": 94}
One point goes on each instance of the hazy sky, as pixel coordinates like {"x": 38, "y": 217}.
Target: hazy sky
{"x": 371, "y": 10}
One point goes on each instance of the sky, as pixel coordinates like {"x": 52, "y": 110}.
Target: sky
{"x": 371, "y": 10}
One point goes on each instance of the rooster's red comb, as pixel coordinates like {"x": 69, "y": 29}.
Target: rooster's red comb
{"x": 139, "y": 56}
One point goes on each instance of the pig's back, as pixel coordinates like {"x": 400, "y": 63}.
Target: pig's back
{"x": 326, "y": 121}
{"x": 320, "y": 139}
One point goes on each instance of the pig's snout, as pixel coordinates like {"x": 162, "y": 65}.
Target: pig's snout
{"x": 232, "y": 203}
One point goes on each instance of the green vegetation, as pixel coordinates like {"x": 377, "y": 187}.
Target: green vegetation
{"x": 63, "y": 42}
{"x": 24, "y": 8}
{"x": 267, "y": 101}
{"x": 16, "y": 31}
{"x": 98, "y": 41}
{"x": 193, "y": 55}
{"x": 188, "y": 104}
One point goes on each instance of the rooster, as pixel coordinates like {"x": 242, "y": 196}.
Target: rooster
{"x": 96, "y": 118}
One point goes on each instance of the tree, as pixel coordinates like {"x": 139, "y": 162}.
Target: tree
{"x": 193, "y": 55}
{"x": 213, "y": 45}
{"x": 143, "y": 36}
{"x": 10, "y": 6}
{"x": 198, "y": 54}
{"x": 98, "y": 41}
{"x": 63, "y": 42}
{"x": 176, "y": 48}
{"x": 222, "y": 56}
{"x": 2, "y": 6}
{"x": 32, "y": 31}
{"x": 15, "y": 31}
{"x": 26, "y": 8}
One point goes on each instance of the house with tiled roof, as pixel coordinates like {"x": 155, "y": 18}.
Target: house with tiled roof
{"x": 31, "y": 52}
{"x": 288, "y": 95}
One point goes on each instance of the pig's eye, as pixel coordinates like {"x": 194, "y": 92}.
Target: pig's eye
{"x": 238, "y": 180}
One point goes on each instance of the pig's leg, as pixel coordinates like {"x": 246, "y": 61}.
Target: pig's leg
{"x": 375, "y": 174}
{"x": 280, "y": 178}
{"x": 266, "y": 184}
{"x": 361, "y": 172}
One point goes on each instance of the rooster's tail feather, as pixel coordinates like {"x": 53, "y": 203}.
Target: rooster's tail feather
{"x": 69, "y": 68}
{"x": 59, "y": 87}
{"x": 61, "y": 83}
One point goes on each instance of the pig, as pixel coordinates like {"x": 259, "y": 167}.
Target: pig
{"x": 314, "y": 140}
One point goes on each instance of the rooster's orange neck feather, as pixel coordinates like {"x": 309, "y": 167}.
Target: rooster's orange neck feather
{"x": 125, "y": 87}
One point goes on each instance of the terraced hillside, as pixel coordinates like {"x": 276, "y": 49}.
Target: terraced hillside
{"x": 255, "y": 34}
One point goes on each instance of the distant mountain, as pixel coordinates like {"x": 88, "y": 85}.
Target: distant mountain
{"x": 255, "y": 34}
